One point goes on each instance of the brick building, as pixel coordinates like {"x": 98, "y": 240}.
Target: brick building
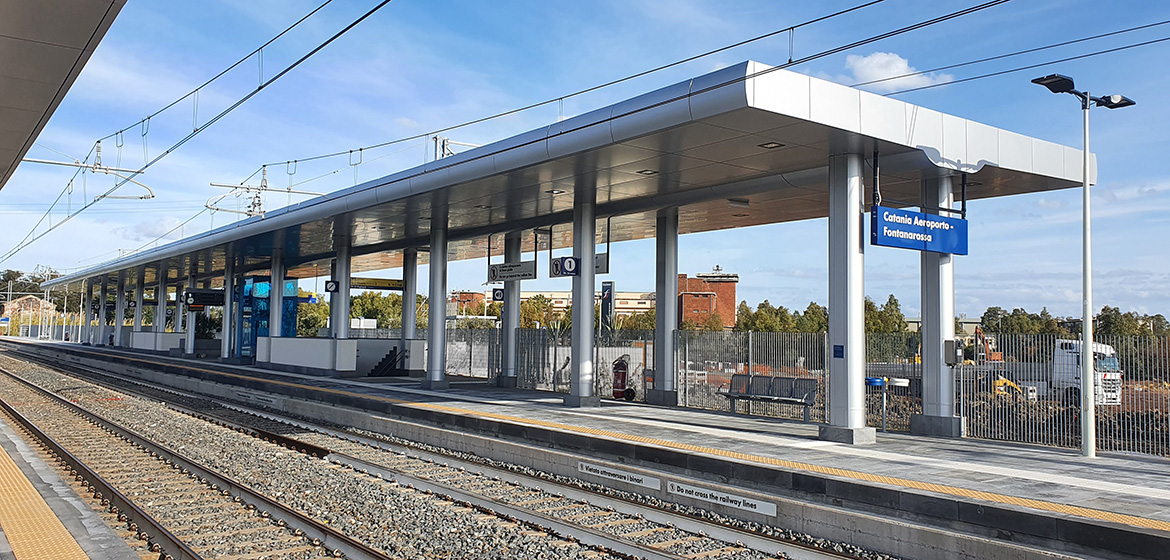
{"x": 706, "y": 294}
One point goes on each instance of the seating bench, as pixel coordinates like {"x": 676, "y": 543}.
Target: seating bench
{"x": 765, "y": 388}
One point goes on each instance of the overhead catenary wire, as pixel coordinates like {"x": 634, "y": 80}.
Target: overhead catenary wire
{"x": 821, "y": 54}
{"x": 578, "y": 93}
{"x": 1036, "y": 65}
{"x": 1011, "y": 54}
{"x": 28, "y": 241}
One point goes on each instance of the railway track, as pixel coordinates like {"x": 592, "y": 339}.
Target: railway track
{"x": 240, "y": 498}
{"x": 609, "y": 521}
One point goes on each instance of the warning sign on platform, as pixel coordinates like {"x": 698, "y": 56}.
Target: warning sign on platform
{"x": 619, "y": 475}
{"x": 508, "y": 272}
{"x": 723, "y": 498}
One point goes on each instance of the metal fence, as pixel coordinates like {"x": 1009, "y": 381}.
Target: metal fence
{"x": 473, "y": 353}
{"x": 1025, "y": 388}
{"x": 707, "y": 361}
{"x": 544, "y": 356}
{"x": 893, "y": 356}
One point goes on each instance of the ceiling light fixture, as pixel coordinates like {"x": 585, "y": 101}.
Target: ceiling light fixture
{"x": 483, "y": 206}
{"x": 771, "y": 145}
{"x": 739, "y": 202}
{"x": 555, "y": 192}
{"x": 648, "y": 172}
{"x": 739, "y": 215}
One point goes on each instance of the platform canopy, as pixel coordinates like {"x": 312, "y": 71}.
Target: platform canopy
{"x": 742, "y": 146}
{"x": 43, "y": 46}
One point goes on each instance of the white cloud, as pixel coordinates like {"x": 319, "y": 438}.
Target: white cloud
{"x": 883, "y": 65}
{"x": 150, "y": 230}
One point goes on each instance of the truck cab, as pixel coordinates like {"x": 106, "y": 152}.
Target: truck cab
{"x": 1066, "y": 372}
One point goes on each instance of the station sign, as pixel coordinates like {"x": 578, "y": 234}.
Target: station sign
{"x": 376, "y": 283}
{"x": 564, "y": 266}
{"x": 510, "y": 272}
{"x": 202, "y": 297}
{"x": 497, "y": 294}
{"x": 331, "y": 286}
{"x": 607, "y": 306}
{"x": 907, "y": 229}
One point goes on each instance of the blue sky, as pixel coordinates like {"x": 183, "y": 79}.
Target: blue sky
{"x": 417, "y": 66}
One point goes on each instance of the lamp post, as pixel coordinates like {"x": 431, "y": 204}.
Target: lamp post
{"x": 1057, "y": 83}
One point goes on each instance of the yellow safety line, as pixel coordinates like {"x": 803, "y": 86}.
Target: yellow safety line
{"x": 32, "y": 529}
{"x": 1042, "y": 505}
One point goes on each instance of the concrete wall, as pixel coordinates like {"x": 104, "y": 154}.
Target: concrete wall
{"x": 153, "y": 341}
{"x": 309, "y": 355}
{"x": 370, "y": 351}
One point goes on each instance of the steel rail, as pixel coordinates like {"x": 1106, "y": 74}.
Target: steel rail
{"x": 170, "y": 547}
{"x": 327, "y": 536}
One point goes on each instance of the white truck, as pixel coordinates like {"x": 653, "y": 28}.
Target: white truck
{"x": 1066, "y": 372}
{"x": 1060, "y": 379}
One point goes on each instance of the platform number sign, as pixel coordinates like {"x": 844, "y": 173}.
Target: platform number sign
{"x": 564, "y": 266}
{"x": 331, "y": 286}
{"x": 497, "y": 294}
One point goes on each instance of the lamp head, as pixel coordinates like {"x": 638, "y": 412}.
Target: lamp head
{"x": 1056, "y": 83}
{"x": 1114, "y": 101}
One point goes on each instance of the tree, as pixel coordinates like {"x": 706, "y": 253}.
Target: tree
{"x": 713, "y": 323}
{"x": 992, "y": 319}
{"x": 646, "y": 321}
{"x": 1112, "y": 322}
{"x": 311, "y": 318}
{"x": 815, "y": 319}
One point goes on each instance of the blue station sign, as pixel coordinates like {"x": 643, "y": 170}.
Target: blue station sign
{"x": 907, "y": 229}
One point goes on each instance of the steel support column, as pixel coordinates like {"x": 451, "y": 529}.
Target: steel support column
{"x": 161, "y": 297}
{"x": 276, "y": 291}
{"x": 510, "y": 315}
{"x": 229, "y": 308}
{"x": 340, "y": 299}
{"x": 665, "y": 391}
{"x": 938, "y": 325}
{"x": 192, "y": 283}
{"x": 85, "y": 336}
{"x": 409, "y": 306}
{"x": 139, "y": 298}
{"x": 437, "y": 312}
{"x": 581, "y": 381}
{"x": 846, "y": 352}
{"x": 119, "y": 307}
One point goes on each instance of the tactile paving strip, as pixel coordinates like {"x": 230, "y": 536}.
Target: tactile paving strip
{"x": 32, "y": 529}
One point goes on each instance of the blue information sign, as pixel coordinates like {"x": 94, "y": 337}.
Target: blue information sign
{"x": 908, "y": 229}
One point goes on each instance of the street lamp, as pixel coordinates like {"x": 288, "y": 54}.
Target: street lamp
{"x": 1057, "y": 83}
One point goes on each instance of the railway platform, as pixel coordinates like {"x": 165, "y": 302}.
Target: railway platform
{"x": 912, "y": 495}
{"x": 41, "y": 517}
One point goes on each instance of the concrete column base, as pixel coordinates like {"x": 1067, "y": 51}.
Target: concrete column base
{"x": 661, "y": 397}
{"x": 945, "y": 426}
{"x": 851, "y": 436}
{"x": 440, "y": 385}
{"x": 574, "y": 401}
{"x": 506, "y": 381}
